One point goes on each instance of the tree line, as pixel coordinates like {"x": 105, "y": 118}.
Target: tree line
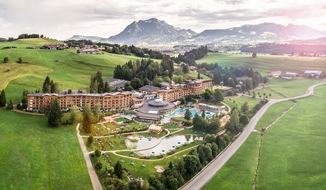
{"x": 191, "y": 56}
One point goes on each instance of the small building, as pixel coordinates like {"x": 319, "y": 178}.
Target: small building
{"x": 155, "y": 129}
{"x": 113, "y": 82}
{"x": 274, "y": 74}
{"x": 165, "y": 85}
{"x": 314, "y": 74}
{"x": 290, "y": 75}
{"x": 149, "y": 89}
{"x": 89, "y": 51}
{"x": 192, "y": 68}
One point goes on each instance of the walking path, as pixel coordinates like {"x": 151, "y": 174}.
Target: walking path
{"x": 94, "y": 179}
{"x": 214, "y": 166}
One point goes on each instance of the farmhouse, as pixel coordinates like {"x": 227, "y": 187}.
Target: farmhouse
{"x": 274, "y": 74}
{"x": 314, "y": 74}
{"x": 290, "y": 75}
{"x": 89, "y": 51}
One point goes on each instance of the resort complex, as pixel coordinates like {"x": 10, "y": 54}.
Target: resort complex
{"x": 151, "y": 101}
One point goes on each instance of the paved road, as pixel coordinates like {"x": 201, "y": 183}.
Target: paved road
{"x": 210, "y": 170}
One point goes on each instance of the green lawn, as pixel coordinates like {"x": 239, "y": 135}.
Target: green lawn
{"x": 238, "y": 172}
{"x": 34, "y": 156}
{"x": 272, "y": 113}
{"x": 291, "y": 88}
{"x": 293, "y": 153}
{"x": 238, "y": 101}
{"x": 266, "y": 63}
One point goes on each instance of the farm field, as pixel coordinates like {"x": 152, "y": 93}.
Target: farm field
{"x": 266, "y": 63}
{"x": 34, "y": 156}
{"x": 292, "y": 153}
{"x": 238, "y": 173}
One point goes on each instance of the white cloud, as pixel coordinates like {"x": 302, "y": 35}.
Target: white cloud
{"x": 62, "y": 19}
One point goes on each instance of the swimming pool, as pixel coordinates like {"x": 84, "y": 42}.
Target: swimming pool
{"x": 181, "y": 111}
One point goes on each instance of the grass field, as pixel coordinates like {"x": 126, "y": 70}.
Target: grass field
{"x": 292, "y": 155}
{"x": 238, "y": 173}
{"x": 237, "y": 102}
{"x": 272, "y": 113}
{"x": 34, "y": 156}
{"x": 266, "y": 63}
{"x": 73, "y": 73}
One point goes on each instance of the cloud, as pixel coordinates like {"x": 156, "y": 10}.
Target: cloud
{"x": 62, "y": 19}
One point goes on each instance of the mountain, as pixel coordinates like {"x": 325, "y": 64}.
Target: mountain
{"x": 248, "y": 34}
{"x": 91, "y": 38}
{"x": 151, "y": 31}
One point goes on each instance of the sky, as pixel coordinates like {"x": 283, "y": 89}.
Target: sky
{"x": 61, "y": 19}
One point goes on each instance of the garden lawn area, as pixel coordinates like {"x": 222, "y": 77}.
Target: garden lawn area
{"x": 238, "y": 172}
{"x": 266, "y": 63}
{"x": 320, "y": 90}
{"x": 121, "y": 119}
{"x": 272, "y": 113}
{"x": 117, "y": 142}
{"x": 138, "y": 170}
{"x": 293, "y": 152}
{"x": 34, "y": 156}
{"x": 238, "y": 101}
{"x": 291, "y": 88}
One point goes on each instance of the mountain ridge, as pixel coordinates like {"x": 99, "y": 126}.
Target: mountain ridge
{"x": 157, "y": 32}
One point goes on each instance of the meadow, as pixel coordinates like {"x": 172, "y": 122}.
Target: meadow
{"x": 266, "y": 63}
{"x": 72, "y": 71}
{"x": 238, "y": 173}
{"x": 292, "y": 153}
{"x": 34, "y": 156}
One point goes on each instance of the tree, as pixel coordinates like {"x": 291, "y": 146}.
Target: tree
{"x": 118, "y": 170}
{"x": 54, "y": 115}
{"x": 209, "y": 138}
{"x": 90, "y": 139}
{"x": 218, "y": 96}
{"x": 245, "y": 108}
{"x": 107, "y": 87}
{"x": 244, "y": 119}
{"x": 10, "y": 105}
{"x": 136, "y": 83}
{"x": 254, "y": 55}
{"x": 46, "y": 85}
{"x": 128, "y": 87}
{"x": 20, "y": 60}
{"x": 87, "y": 118}
{"x": 97, "y": 153}
{"x": 73, "y": 114}
{"x": 198, "y": 75}
{"x": 187, "y": 115}
{"x": 203, "y": 113}
{"x": 97, "y": 112}
{"x": 207, "y": 95}
{"x": 185, "y": 68}
{"x": 135, "y": 185}
{"x": 6, "y": 60}
{"x": 192, "y": 165}
{"x": 3, "y": 100}
{"x": 24, "y": 100}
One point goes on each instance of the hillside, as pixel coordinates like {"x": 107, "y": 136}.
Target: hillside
{"x": 71, "y": 71}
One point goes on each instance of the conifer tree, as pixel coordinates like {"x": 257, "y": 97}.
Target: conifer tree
{"x": 54, "y": 114}
{"x": 3, "y": 99}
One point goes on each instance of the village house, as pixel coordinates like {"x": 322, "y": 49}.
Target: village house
{"x": 89, "y": 51}
{"x": 274, "y": 74}
{"x": 314, "y": 74}
{"x": 290, "y": 75}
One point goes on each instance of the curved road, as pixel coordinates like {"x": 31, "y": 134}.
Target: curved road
{"x": 214, "y": 166}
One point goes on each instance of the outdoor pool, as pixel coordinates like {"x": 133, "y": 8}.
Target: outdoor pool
{"x": 166, "y": 145}
{"x": 181, "y": 111}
